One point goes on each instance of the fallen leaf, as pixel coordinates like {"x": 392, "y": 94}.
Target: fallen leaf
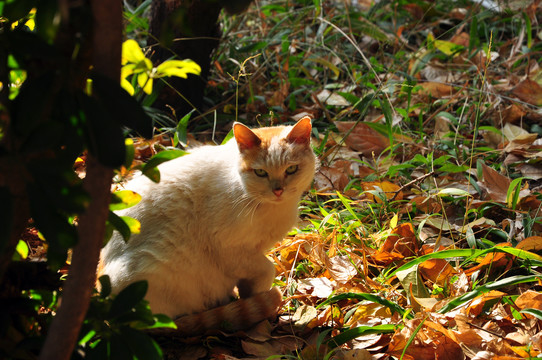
{"x": 436, "y": 90}
{"x": 320, "y": 287}
{"x": 362, "y": 138}
{"x": 529, "y": 299}
{"x": 528, "y": 91}
{"x": 496, "y": 184}
{"x": 385, "y": 186}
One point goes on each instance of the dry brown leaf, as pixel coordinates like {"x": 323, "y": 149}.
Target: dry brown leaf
{"x": 521, "y": 142}
{"x": 496, "y": 184}
{"x": 529, "y": 299}
{"x": 330, "y": 179}
{"x": 512, "y": 131}
{"x": 532, "y": 243}
{"x": 529, "y": 91}
{"x": 259, "y": 349}
{"x": 341, "y": 268}
{"x": 436, "y": 90}
{"x": 512, "y": 114}
{"x": 320, "y": 287}
{"x": 363, "y": 138}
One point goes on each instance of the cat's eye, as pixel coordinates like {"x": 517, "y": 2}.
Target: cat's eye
{"x": 260, "y": 172}
{"x": 291, "y": 169}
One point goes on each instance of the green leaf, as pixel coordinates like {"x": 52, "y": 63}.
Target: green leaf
{"x": 119, "y": 349}
{"x": 253, "y": 47}
{"x": 444, "y": 254}
{"x": 365, "y": 296}
{"x": 104, "y": 135}
{"x": 142, "y": 345}
{"x": 105, "y": 284}
{"x": 351, "y": 334}
{"x": 15, "y": 10}
{"x": 21, "y": 251}
{"x": 123, "y": 107}
{"x": 150, "y": 170}
{"x": 128, "y": 298}
{"x": 452, "y": 192}
{"x": 181, "y": 132}
{"x": 163, "y": 321}
{"x": 125, "y": 225}
{"x": 535, "y": 312}
{"x": 482, "y": 289}
{"x": 123, "y": 199}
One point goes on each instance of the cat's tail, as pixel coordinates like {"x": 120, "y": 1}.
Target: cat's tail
{"x": 237, "y": 315}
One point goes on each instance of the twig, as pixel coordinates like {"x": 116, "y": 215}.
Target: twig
{"x": 418, "y": 179}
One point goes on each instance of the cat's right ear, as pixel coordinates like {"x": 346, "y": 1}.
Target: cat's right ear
{"x": 246, "y": 138}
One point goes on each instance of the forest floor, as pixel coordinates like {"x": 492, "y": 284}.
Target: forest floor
{"x": 421, "y": 236}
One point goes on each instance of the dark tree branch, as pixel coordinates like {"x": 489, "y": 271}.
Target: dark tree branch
{"x": 64, "y": 330}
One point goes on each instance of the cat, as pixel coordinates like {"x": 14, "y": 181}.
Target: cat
{"x": 206, "y": 226}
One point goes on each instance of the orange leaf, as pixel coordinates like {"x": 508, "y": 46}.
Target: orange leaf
{"x": 387, "y": 187}
{"x": 437, "y": 270}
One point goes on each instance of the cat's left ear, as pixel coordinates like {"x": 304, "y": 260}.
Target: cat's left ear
{"x": 301, "y": 132}
{"x": 246, "y": 138}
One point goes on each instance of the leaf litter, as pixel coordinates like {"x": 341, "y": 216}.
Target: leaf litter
{"x": 417, "y": 240}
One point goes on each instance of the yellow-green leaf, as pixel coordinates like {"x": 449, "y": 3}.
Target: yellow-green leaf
{"x": 180, "y": 68}
{"x": 21, "y": 251}
{"x": 131, "y": 52}
{"x": 145, "y": 82}
{"x": 133, "y": 224}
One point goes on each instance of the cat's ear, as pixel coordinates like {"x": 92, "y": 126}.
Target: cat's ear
{"x": 301, "y": 132}
{"x": 246, "y": 138}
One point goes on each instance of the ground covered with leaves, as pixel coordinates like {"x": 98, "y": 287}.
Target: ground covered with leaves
{"x": 421, "y": 237}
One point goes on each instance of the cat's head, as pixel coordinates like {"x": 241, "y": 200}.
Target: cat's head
{"x": 276, "y": 163}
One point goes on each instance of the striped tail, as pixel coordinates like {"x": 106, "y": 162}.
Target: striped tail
{"x": 237, "y": 315}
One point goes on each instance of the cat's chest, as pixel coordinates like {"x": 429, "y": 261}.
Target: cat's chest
{"x": 264, "y": 227}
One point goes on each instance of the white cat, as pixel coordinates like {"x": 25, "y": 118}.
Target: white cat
{"x": 206, "y": 226}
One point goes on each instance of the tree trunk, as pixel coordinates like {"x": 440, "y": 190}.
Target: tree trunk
{"x": 187, "y": 29}
{"x": 64, "y": 330}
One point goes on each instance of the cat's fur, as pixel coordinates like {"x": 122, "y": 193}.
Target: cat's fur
{"x": 206, "y": 226}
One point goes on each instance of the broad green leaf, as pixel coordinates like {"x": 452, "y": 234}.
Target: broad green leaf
{"x": 163, "y": 321}
{"x": 181, "y": 132}
{"x": 21, "y": 251}
{"x": 128, "y": 298}
{"x": 105, "y": 284}
{"x": 149, "y": 169}
{"x": 123, "y": 199}
{"x": 133, "y": 224}
{"x": 119, "y": 225}
{"x": 123, "y": 107}
{"x": 141, "y": 344}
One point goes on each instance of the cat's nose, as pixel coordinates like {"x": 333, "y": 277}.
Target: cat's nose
{"x": 278, "y": 192}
